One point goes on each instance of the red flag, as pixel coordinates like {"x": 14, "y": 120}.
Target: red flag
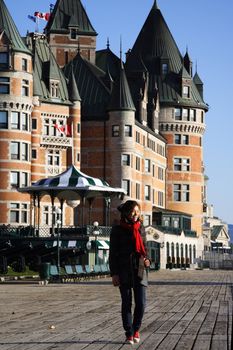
{"x": 42, "y": 15}
{"x": 65, "y": 129}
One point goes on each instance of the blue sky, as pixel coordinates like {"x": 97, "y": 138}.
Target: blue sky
{"x": 205, "y": 27}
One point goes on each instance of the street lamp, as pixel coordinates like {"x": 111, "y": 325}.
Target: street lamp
{"x": 58, "y": 222}
{"x": 96, "y": 233}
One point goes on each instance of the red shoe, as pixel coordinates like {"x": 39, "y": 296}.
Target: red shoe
{"x": 129, "y": 340}
{"x": 136, "y": 337}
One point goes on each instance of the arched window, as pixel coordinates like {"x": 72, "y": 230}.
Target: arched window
{"x": 177, "y": 250}
{"x": 186, "y": 251}
{"x": 194, "y": 252}
{"x": 182, "y": 250}
{"x": 168, "y": 250}
{"x": 190, "y": 254}
{"x": 173, "y": 250}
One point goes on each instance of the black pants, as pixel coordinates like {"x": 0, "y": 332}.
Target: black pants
{"x": 132, "y": 324}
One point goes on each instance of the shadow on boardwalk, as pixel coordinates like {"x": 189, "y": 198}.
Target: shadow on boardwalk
{"x": 186, "y": 310}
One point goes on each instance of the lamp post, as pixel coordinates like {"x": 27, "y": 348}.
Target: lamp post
{"x": 96, "y": 233}
{"x": 58, "y": 222}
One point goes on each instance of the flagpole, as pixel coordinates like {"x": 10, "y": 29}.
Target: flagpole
{"x": 37, "y": 24}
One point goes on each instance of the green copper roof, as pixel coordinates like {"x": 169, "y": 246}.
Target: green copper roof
{"x": 45, "y": 70}
{"x": 73, "y": 89}
{"x": 69, "y": 13}
{"x": 121, "y": 98}
{"x": 108, "y": 62}
{"x": 156, "y": 46}
{"x": 93, "y": 92}
{"x": 8, "y": 26}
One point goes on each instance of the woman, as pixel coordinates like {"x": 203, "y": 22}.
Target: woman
{"x": 128, "y": 262}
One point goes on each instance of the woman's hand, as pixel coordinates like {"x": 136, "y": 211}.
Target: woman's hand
{"x": 115, "y": 280}
{"x": 147, "y": 262}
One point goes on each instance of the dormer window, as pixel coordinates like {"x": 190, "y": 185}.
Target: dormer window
{"x": 186, "y": 91}
{"x": 54, "y": 89}
{"x": 73, "y": 34}
{"x": 164, "y": 68}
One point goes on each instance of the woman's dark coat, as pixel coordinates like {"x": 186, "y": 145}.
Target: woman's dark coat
{"x": 123, "y": 261}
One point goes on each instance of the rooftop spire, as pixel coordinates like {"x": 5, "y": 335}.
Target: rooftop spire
{"x": 108, "y": 45}
{"x": 155, "y": 5}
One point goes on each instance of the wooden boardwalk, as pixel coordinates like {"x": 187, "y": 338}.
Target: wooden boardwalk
{"x": 185, "y": 310}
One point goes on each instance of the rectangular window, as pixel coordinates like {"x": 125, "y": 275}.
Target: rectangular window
{"x": 24, "y": 213}
{"x": 137, "y": 137}
{"x": 181, "y": 193}
{"x": 177, "y": 139}
{"x": 125, "y": 159}
{"x": 24, "y": 180}
{"x": 34, "y": 153}
{"x": 128, "y": 130}
{"x": 126, "y": 186}
{"x": 14, "y": 213}
{"x": 153, "y": 170}
{"x": 25, "y": 87}
{"x": 24, "y": 64}
{"x": 4, "y": 85}
{"x": 147, "y": 193}
{"x": 192, "y": 113}
{"x": 138, "y": 191}
{"x": 160, "y": 173}
{"x": 160, "y": 199}
{"x": 15, "y": 150}
{"x": 185, "y": 114}
{"x": 54, "y": 89}
{"x": 146, "y": 221}
{"x": 24, "y": 121}
{"x": 53, "y": 158}
{"x": 147, "y": 165}
{"x": 34, "y": 124}
{"x": 164, "y": 68}
{"x": 178, "y": 115}
{"x": 186, "y": 91}
{"x": 138, "y": 163}
{"x": 115, "y": 130}
{"x": 73, "y": 34}
{"x": 45, "y": 215}
{"x": 3, "y": 120}
{"x": 185, "y": 139}
{"x": 24, "y": 155}
{"x": 78, "y": 128}
{"x": 15, "y": 120}
{"x": 14, "y": 179}
{"x": 4, "y": 60}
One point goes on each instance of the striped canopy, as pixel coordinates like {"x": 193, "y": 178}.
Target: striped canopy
{"x": 73, "y": 184}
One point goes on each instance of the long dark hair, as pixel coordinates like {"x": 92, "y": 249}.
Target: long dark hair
{"x": 126, "y": 208}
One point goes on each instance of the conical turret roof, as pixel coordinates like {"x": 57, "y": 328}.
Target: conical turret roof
{"x": 121, "y": 98}
{"x": 158, "y": 51}
{"x": 153, "y": 41}
{"x": 8, "y": 26}
{"x": 69, "y": 13}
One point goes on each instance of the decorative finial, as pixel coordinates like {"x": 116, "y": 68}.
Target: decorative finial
{"x": 108, "y": 45}
{"x": 121, "y": 48}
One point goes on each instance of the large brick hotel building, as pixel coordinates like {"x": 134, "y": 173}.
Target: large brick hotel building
{"x": 138, "y": 125}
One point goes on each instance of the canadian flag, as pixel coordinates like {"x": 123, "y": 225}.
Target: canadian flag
{"x": 42, "y": 15}
{"x": 65, "y": 129}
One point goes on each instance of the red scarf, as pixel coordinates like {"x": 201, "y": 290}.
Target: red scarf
{"x": 134, "y": 228}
